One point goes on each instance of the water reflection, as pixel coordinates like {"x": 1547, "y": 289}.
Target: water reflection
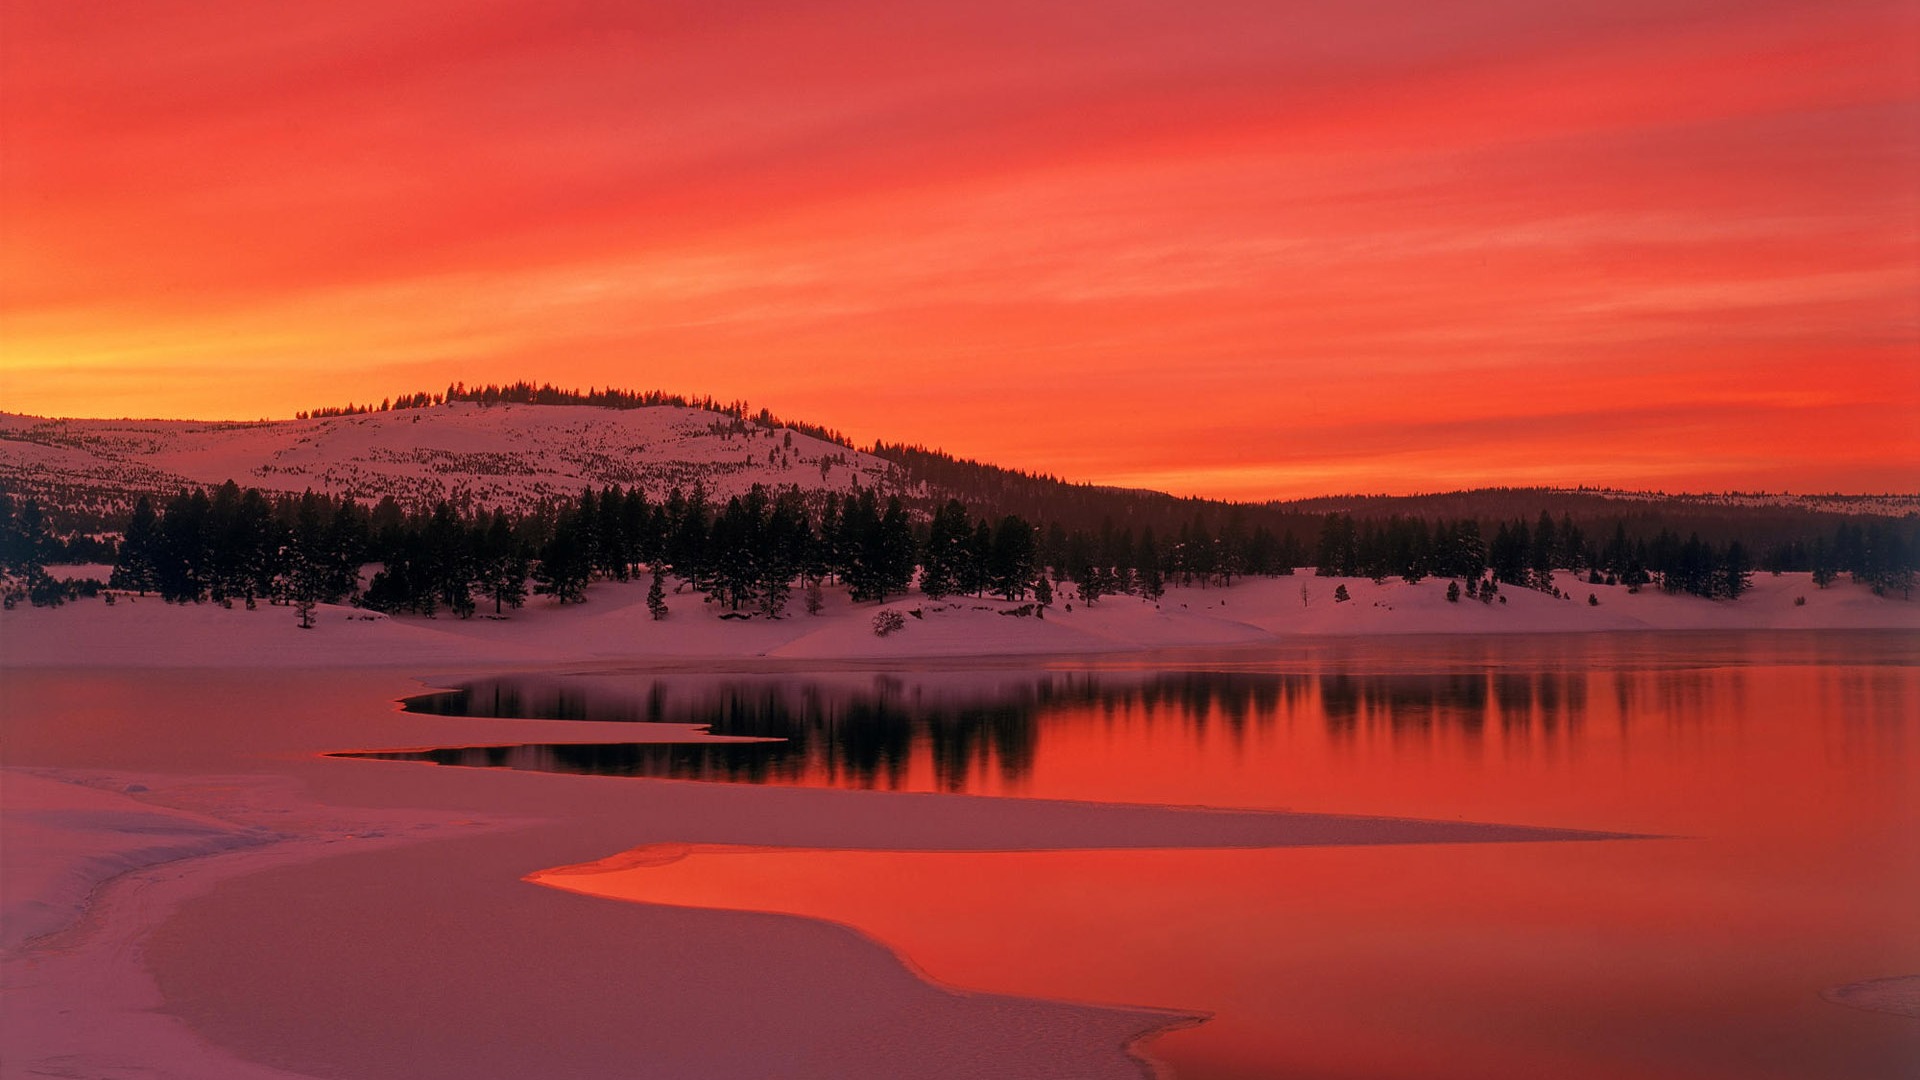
{"x": 1231, "y": 729}
{"x": 1783, "y": 768}
{"x": 984, "y": 732}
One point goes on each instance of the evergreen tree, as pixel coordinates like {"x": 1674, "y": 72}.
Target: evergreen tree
{"x": 182, "y": 569}
{"x": 657, "y": 597}
{"x": 1507, "y": 555}
{"x": 134, "y": 568}
{"x": 686, "y": 536}
{"x": 636, "y": 525}
{"x": 733, "y": 573}
{"x": 1338, "y": 554}
{"x": 1736, "y": 572}
{"x": 1541, "y": 553}
{"x": 1146, "y": 569}
{"x": 1010, "y": 569}
{"x": 786, "y": 550}
{"x": 502, "y": 564}
{"x": 449, "y": 561}
{"x": 610, "y": 534}
{"x": 308, "y": 562}
{"x": 943, "y": 568}
{"x": 896, "y": 550}
{"x": 565, "y": 563}
{"x": 974, "y": 575}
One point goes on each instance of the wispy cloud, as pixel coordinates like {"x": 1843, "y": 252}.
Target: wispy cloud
{"x": 1505, "y": 238}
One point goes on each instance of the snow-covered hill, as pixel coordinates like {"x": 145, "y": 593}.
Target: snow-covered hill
{"x": 474, "y": 455}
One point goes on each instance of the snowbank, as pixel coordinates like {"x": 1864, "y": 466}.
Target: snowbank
{"x": 63, "y": 840}
{"x": 615, "y": 625}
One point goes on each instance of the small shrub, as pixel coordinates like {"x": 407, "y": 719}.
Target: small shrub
{"x": 1799, "y": 601}
{"x": 1592, "y": 600}
{"x": 1340, "y": 595}
{"x": 888, "y": 621}
{"x": 1453, "y": 592}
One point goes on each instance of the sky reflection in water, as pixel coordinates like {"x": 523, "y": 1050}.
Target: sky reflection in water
{"x": 1786, "y": 769}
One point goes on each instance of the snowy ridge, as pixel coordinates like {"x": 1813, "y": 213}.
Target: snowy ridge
{"x": 511, "y": 456}
{"x": 1893, "y": 505}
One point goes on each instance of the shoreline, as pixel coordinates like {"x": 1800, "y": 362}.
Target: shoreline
{"x": 86, "y": 991}
{"x": 334, "y": 836}
{"x": 614, "y": 627}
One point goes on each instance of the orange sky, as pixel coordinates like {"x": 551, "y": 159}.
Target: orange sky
{"x": 1251, "y": 249}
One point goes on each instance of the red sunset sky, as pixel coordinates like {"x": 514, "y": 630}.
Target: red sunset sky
{"x": 1249, "y": 248}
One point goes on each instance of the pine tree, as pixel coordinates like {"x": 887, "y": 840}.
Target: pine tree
{"x": 1736, "y": 571}
{"x": 450, "y": 562}
{"x": 564, "y": 566}
{"x": 657, "y": 597}
{"x": 1146, "y": 567}
{"x": 974, "y": 576}
{"x": 185, "y": 554}
{"x": 1011, "y": 566}
{"x": 1337, "y": 555}
{"x": 943, "y": 567}
{"x": 503, "y": 564}
{"x": 895, "y": 551}
{"x": 1541, "y": 553}
{"x": 134, "y": 568}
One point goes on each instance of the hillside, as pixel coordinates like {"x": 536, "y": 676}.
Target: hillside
{"x": 515, "y": 455}
{"x": 509, "y": 456}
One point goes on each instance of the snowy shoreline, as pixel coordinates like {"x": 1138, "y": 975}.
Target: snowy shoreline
{"x": 614, "y": 625}
{"x": 192, "y": 890}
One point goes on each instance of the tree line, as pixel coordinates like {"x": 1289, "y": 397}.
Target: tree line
{"x": 926, "y": 478}
{"x": 750, "y": 553}
{"x": 1881, "y": 555}
{"x": 527, "y": 393}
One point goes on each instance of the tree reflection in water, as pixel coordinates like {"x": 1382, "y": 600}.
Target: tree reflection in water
{"x": 954, "y": 736}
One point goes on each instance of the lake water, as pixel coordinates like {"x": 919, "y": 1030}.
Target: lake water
{"x": 1780, "y": 774}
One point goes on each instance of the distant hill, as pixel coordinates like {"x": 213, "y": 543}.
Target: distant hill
{"x": 509, "y": 456}
{"x": 515, "y": 455}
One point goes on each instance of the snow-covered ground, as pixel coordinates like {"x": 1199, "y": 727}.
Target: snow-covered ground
{"x": 499, "y": 455}
{"x": 615, "y": 624}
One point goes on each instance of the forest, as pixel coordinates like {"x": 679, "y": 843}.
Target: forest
{"x": 753, "y": 552}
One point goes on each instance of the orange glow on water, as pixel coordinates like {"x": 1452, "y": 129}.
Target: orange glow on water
{"x": 1783, "y": 793}
{"x": 1287, "y": 250}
